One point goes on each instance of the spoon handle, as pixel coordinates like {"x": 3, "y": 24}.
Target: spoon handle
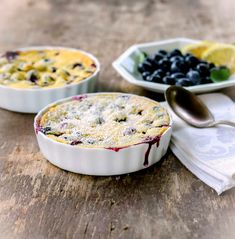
{"x": 227, "y": 122}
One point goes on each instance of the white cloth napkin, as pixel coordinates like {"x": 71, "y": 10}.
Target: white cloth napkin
{"x": 209, "y": 153}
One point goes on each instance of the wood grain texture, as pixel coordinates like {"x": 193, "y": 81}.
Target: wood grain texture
{"x": 38, "y": 200}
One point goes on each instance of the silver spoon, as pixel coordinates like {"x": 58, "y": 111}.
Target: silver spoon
{"x": 191, "y": 109}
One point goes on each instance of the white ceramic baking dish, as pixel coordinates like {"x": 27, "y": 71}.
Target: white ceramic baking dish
{"x": 100, "y": 161}
{"x": 33, "y": 100}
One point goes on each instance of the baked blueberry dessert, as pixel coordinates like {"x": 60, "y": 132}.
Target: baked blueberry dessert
{"x": 105, "y": 120}
{"x": 47, "y": 68}
{"x": 103, "y": 133}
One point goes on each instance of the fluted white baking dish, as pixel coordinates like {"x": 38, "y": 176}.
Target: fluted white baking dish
{"x": 100, "y": 161}
{"x": 33, "y": 100}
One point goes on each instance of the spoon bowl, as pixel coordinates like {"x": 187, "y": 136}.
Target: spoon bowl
{"x": 190, "y": 108}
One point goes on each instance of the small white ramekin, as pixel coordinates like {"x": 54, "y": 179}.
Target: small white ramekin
{"x": 33, "y": 100}
{"x": 99, "y": 161}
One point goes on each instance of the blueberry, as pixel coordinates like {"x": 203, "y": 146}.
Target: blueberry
{"x": 176, "y": 58}
{"x": 175, "y": 67}
{"x": 100, "y": 120}
{"x": 145, "y": 66}
{"x": 156, "y": 78}
{"x": 194, "y": 76}
{"x": 141, "y": 68}
{"x": 145, "y": 74}
{"x": 149, "y": 78}
{"x": 33, "y": 78}
{"x": 206, "y": 80}
{"x": 187, "y": 55}
{"x": 184, "y": 67}
{"x": 184, "y": 82}
{"x": 78, "y": 64}
{"x": 168, "y": 80}
{"x": 191, "y": 60}
{"x": 179, "y": 66}
{"x": 129, "y": 131}
{"x": 157, "y": 57}
{"x": 75, "y": 142}
{"x": 164, "y": 64}
{"x": 150, "y": 60}
{"x": 45, "y": 130}
{"x": 90, "y": 141}
{"x": 211, "y": 65}
{"x": 11, "y": 55}
{"x": 175, "y": 52}
{"x": 203, "y": 69}
{"x": 177, "y": 75}
{"x": 159, "y": 73}
{"x": 53, "y": 69}
{"x": 163, "y": 52}
{"x": 156, "y": 65}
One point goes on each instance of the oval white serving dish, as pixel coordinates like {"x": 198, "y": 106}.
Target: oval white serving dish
{"x": 100, "y": 161}
{"x": 33, "y": 100}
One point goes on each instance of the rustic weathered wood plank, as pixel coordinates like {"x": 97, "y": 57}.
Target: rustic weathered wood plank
{"x": 38, "y": 200}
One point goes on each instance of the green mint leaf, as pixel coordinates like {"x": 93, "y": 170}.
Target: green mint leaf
{"x": 139, "y": 57}
{"x": 219, "y": 74}
{"x": 131, "y": 63}
{"x": 142, "y": 57}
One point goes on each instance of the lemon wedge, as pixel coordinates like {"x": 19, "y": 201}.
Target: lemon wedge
{"x": 221, "y": 54}
{"x": 197, "y": 49}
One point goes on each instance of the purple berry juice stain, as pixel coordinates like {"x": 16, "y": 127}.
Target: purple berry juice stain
{"x": 76, "y": 142}
{"x": 79, "y": 97}
{"x": 150, "y": 141}
{"x": 37, "y": 126}
{"x": 116, "y": 149}
{"x": 11, "y": 55}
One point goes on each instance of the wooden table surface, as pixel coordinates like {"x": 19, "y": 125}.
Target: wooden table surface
{"x": 38, "y": 200}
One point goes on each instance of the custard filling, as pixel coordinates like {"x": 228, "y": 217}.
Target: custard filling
{"x": 44, "y": 68}
{"x": 105, "y": 120}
